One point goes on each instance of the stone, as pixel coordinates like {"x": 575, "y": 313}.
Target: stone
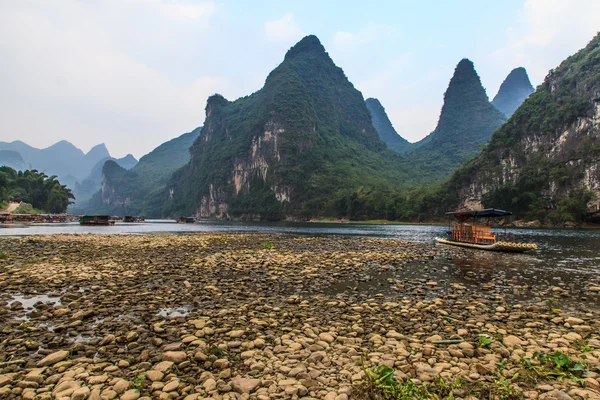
{"x": 174, "y": 356}
{"x": 106, "y": 340}
{"x": 94, "y": 380}
{"x": 131, "y": 394}
{"x": 6, "y": 379}
{"x": 326, "y": 337}
{"x": 592, "y": 383}
{"x": 482, "y": 370}
{"x": 121, "y": 386}
{"x": 559, "y": 395}
{"x": 171, "y": 386}
{"x": 154, "y": 375}
{"x": 35, "y": 375}
{"x": 236, "y": 333}
{"x": 132, "y": 336}
{"x": 53, "y": 358}
{"x": 511, "y": 341}
{"x": 65, "y": 387}
{"x": 81, "y": 393}
{"x": 164, "y": 366}
{"x": 244, "y": 385}
{"x": 247, "y": 354}
{"x": 330, "y": 396}
{"x": 574, "y": 321}
{"x": 209, "y": 385}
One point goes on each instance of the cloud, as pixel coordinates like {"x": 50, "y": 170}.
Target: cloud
{"x": 547, "y": 32}
{"x": 71, "y": 78}
{"x": 284, "y": 29}
{"x": 347, "y": 41}
{"x": 180, "y": 10}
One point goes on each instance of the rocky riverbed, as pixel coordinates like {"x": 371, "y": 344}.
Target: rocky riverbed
{"x": 238, "y": 316}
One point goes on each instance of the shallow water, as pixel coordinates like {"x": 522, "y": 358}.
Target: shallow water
{"x": 565, "y": 259}
{"x": 29, "y": 300}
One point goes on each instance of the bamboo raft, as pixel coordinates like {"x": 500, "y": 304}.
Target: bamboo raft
{"x": 498, "y": 246}
{"x": 481, "y": 237}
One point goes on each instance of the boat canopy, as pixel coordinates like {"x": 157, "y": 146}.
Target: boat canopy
{"x": 485, "y": 213}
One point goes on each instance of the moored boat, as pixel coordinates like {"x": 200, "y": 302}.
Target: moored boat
{"x": 96, "y": 220}
{"x": 186, "y": 220}
{"x": 479, "y": 236}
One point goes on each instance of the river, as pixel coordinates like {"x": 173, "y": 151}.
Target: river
{"x": 567, "y": 261}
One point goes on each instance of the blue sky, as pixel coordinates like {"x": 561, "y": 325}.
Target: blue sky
{"x": 135, "y": 73}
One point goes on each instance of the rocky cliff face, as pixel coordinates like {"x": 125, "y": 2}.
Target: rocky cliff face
{"x": 286, "y": 150}
{"x": 384, "y": 128}
{"x": 89, "y": 186}
{"x": 513, "y": 91}
{"x": 545, "y": 161}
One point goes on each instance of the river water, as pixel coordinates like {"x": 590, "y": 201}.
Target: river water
{"x": 562, "y": 269}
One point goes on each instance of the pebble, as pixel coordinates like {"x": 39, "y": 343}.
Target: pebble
{"x": 216, "y": 316}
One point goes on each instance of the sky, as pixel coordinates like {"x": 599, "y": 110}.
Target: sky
{"x": 136, "y": 73}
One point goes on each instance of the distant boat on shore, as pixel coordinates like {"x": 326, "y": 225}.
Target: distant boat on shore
{"x": 96, "y": 220}
{"x": 186, "y": 220}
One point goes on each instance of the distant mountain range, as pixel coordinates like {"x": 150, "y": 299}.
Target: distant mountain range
{"x": 308, "y": 145}
{"x": 136, "y": 191}
{"x": 71, "y": 165}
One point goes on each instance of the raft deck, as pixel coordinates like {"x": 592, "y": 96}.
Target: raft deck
{"x": 498, "y": 246}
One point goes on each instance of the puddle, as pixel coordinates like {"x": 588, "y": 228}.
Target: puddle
{"x": 171, "y": 312}
{"x": 29, "y": 300}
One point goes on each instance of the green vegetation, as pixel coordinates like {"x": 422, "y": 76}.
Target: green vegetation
{"x": 485, "y": 341}
{"x": 139, "y": 383}
{"x": 36, "y": 188}
{"x": 2, "y": 255}
{"x": 140, "y": 190}
{"x": 384, "y": 128}
{"x": 304, "y": 146}
{"x": 325, "y": 145}
{"x": 557, "y": 364}
{"x": 267, "y": 245}
{"x": 466, "y": 124}
{"x": 382, "y": 384}
{"x": 543, "y": 182}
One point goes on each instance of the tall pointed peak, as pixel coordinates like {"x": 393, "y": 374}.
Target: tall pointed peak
{"x": 98, "y": 151}
{"x": 465, "y": 65}
{"x": 98, "y": 147}
{"x": 308, "y": 45}
{"x": 513, "y": 91}
{"x": 374, "y": 102}
{"x": 465, "y": 84}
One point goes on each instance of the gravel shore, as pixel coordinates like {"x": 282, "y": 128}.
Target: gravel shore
{"x": 239, "y": 316}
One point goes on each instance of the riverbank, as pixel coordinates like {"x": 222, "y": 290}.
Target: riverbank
{"x": 519, "y": 224}
{"x": 236, "y": 316}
